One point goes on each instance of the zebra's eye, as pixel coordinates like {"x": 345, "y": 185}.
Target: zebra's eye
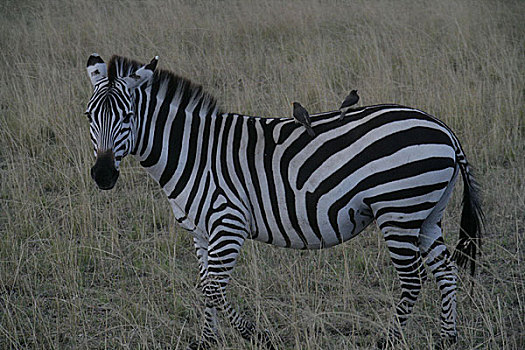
{"x": 127, "y": 117}
{"x": 88, "y": 115}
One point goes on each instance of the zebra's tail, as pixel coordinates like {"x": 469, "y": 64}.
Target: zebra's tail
{"x": 469, "y": 243}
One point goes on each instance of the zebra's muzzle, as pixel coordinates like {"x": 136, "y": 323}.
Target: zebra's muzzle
{"x": 104, "y": 172}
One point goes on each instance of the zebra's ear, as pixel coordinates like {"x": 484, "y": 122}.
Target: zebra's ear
{"x": 142, "y": 74}
{"x": 96, "y": 69}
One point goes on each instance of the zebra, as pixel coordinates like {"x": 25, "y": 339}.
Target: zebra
{"x": 230, "y": 177}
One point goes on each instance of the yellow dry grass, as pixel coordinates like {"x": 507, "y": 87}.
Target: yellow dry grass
{"x": 84, "y": 269}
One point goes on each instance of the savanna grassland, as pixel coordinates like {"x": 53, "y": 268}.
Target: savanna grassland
{"x": 85, "y": 269}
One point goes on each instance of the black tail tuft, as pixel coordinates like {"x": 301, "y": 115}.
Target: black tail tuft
{"x": 469, "y": 243}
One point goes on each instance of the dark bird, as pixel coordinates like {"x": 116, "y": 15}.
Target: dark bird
{"x": 300, "y": 114}
{"x": 349, "y": 101}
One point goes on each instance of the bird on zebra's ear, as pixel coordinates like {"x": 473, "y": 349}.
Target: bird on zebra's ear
{"x": 301, "y": 116}
{"x": 349, "y": 101}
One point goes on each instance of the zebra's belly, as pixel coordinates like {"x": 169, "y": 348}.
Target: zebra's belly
{"x": 300, "y": 235}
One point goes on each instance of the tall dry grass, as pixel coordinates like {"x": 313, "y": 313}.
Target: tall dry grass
{"x": 84, "y": 269}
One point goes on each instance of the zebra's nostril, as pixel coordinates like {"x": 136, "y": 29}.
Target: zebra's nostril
{"x": 104, "y": 172}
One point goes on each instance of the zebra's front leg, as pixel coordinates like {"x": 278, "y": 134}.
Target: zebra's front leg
{"x": 216, "y": 299}
{"x": 209, "y": 330}
{"x": 222, "y": 257}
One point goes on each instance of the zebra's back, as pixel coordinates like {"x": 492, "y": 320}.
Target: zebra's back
{"x": 306, "y": 192}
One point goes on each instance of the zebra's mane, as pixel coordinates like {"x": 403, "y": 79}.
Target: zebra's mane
{"x": 119, "y": 66}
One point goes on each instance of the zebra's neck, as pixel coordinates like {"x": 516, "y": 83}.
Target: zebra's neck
{"x": 169, "y": 111}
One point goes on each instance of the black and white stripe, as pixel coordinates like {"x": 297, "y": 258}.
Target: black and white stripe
{"x": 230, "y": 177}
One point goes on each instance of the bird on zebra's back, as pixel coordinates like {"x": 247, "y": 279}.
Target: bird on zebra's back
{"x": 301, "y": 115}
{"x": 349, "y": 101}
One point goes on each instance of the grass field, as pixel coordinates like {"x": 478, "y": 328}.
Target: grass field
{"x": 86, "y": 269}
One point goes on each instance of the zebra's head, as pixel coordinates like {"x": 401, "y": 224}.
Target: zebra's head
{"x": 111, "y": 114}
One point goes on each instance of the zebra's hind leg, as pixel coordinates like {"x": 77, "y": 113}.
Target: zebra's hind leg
{"x": 439, "y": 262}
{"x": 406, "y": 258}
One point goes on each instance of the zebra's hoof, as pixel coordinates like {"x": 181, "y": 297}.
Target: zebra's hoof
{"x": 199, "y": 345}
{"x": 263, "y": 338}
{"x": 387, "y": 343}
{"x": 381, "y": 343}
{"x": 447, "y": 342}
